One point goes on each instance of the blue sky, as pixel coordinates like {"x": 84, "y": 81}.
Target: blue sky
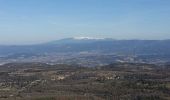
{"x": 36, "y": 21}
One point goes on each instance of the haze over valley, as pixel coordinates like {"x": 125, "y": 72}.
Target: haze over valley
{"x": 89, "y": 51}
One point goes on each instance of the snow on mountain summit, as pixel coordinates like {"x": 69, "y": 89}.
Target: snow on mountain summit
{"x": 87, "y": 38}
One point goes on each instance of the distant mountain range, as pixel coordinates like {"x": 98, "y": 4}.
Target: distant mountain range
{"x": 138, "y": 47}
{"x": 89, "y": 50}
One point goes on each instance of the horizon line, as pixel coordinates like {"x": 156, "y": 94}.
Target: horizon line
{"x": 78, "y": 38}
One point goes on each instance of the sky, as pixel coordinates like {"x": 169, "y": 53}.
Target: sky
{"x": 38, "y": 21}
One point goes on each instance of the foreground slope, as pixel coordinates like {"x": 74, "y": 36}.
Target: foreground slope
{"x": 117, "y": 81}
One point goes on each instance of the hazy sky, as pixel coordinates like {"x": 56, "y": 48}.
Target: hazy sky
{"x": 34, "y": 21}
